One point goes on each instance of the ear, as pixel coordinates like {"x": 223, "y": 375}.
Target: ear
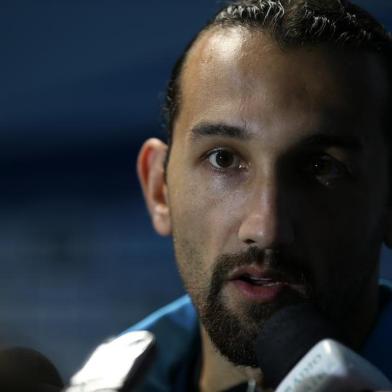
{"x": 150, "y": 169}
{"x": 388, "y": 229}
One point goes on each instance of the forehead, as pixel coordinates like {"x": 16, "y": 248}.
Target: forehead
{"x": 242, "y": 76}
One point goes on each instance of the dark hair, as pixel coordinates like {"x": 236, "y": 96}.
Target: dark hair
{"x": 292, "y": 23}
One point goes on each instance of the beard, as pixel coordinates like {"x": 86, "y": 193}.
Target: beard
{"x": 233, "y": 330}
{"x": 234, "y": 333}
{"x": 337, "y": 289}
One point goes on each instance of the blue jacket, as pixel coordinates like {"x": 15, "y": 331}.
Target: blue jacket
{"x": 176, "y": 329}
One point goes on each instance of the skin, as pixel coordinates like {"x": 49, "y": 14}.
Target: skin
{"x": 324, "y": 207}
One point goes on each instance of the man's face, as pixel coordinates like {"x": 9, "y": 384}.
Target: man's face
{"x": 277, "y": 183}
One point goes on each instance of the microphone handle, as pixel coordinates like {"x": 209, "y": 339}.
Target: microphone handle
{"x": 332, "y": 367}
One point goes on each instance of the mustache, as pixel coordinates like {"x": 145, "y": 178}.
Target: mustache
{"x": 276, "y": 262}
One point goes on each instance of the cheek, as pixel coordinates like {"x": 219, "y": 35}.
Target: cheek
{"x": 347, "y": 212}
{"x": 204, "y": 214}
{"x": 343, "y": 236}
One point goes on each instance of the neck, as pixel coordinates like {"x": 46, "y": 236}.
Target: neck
{"x": 217, "y": 372}
{"x": 362, "y": 317}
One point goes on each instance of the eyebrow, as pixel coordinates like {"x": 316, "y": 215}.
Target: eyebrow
{"x": 219, "y": 129}
{"x": 344, "y": 141}
{"x": 323, "y": 139}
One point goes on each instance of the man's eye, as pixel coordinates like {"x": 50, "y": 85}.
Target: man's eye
{"x": 224, "y": 159}
{"x": 326, "y": 169}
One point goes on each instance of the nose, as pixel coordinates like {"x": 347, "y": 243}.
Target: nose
{"x": 266, "y": 222}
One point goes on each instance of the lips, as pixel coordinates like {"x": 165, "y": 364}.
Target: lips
{"x": 261, "y": 285}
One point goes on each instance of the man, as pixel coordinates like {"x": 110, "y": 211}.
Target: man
{"x": 274, "y": 185}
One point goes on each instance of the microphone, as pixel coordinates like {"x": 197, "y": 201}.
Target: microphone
{"x": 299, "y": 350}
{"x": 27, "y": 370}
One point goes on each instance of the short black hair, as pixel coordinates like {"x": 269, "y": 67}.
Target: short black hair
{"x": 292, "y": 23}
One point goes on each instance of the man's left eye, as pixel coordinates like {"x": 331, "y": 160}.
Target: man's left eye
{"x": 224, "y": 159}
{"x": 326, "y": 169}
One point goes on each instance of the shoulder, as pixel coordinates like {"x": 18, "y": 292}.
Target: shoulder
{"x": 377, "y": 348}
{"x": 179, "y": 314}
{"x": 176, "y": 330}
{"x": 173, "y": 330}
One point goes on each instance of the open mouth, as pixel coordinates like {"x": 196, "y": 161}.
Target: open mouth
{"x": 257, "y": 281}
{"x": 261, "y": 285}
{"x": 259, "y": 276}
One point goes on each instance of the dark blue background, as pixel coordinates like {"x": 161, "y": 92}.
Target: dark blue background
{"x": 81, "y": 83}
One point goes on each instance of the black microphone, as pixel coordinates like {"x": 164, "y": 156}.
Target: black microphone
{"x": 27, "y": 370}
{"x": 298, "y": 349}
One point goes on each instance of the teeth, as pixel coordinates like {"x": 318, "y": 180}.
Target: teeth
{"x": 260, "y": 281}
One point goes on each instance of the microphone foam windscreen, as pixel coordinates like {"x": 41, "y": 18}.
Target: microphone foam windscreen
{"x": 286, "y": 337}
{"x": 27, "y": 370}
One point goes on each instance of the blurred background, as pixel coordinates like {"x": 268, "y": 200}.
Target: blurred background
{"x": 81, "y": 83}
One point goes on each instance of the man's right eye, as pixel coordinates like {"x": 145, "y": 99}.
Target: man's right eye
{"x": 224, "y": 159}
